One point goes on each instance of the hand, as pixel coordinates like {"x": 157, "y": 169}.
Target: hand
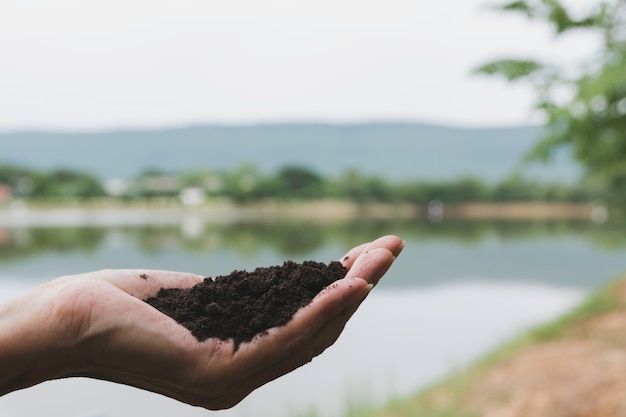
{"x": 96, "y": 325}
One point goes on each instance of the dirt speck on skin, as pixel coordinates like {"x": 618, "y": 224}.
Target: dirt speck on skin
{"x": 243, "y": 304}
{"x": 143, "y": 276}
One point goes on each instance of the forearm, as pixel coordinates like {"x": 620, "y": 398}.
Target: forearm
{"x": 32, "y": 349}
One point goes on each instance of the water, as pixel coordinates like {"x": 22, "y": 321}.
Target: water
{"x": 458, "y": 290}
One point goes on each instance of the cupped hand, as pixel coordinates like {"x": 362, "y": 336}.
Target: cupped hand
{"x": 108, "y": 332}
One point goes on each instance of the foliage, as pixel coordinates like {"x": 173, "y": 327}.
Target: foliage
{"x": 511, "y": 69}
{"x": 61, "y": 183}
{"x": 299, "y": 182}
{"x": 591, "y": 120}
{"x": 65, "y": 183}
{"x": 248, "y": 184}
{"x": 19, "y": 179}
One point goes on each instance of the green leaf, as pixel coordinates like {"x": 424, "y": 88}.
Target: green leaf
{"x": 559, "y": 16}
{"x": 516, "y": 6}
{"x": 511, "y": 69}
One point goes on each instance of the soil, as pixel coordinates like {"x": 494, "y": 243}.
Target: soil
{"x": 243, "y": 304}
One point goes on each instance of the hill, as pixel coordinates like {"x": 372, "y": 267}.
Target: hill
{"x": 391, "y": 150}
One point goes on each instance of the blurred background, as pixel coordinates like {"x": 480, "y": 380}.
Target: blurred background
{"x": 209, "y": 136}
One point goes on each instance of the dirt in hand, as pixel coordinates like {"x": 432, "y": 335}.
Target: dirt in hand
{"x": 243, "y": 304}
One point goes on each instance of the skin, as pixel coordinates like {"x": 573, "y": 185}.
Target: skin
{"x": 96, "y": 325}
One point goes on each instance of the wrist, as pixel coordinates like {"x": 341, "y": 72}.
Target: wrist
{"x": 35, "y": 341}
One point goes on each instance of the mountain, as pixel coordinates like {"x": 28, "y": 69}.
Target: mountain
{"x": 392, "y": 150}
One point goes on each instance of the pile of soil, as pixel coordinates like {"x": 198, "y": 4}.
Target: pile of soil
{"x": 243, "y": 304}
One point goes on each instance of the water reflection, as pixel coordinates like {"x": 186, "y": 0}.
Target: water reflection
{"x": 294, "y": 238}
{"x": 458, "y": 290}
{"x": 557, "y": 253}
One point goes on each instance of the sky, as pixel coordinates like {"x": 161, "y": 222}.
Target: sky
{"x": 111, "y": 64}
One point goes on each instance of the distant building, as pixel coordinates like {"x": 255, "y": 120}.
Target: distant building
{"x": 116, "y": 187}
{"x": 192, "y": 196}
{"x": 6, "y": 193}
{"x": 159, "y": 184}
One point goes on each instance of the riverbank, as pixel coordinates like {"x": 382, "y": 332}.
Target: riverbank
{"x": 574, "y": 367}
{"x": 20, "y": 213}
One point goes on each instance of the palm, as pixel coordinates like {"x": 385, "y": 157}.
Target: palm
{"x": 124, "y": 339}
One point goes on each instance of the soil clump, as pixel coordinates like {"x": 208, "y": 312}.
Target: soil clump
{"x": 243, "y": 304}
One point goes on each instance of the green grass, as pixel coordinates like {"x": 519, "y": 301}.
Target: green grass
{"x": 357, "y": 404}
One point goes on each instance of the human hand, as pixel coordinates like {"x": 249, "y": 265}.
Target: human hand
{"x": 97, "y": 325}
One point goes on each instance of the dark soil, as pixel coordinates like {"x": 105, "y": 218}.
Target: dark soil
{"x": 243, "y": 304}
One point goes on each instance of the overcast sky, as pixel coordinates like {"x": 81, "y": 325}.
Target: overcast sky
{"x": 101, "y": 64}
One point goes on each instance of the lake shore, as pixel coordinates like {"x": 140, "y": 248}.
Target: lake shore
{"x": 20, "y": 214}
{"x": 573, "y": 367}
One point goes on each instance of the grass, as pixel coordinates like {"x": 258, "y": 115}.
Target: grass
{"x": 357, "y": 404}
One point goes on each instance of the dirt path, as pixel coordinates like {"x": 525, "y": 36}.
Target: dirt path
{"x": 581, "y": 374}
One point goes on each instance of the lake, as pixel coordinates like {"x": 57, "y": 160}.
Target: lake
{"x": 458, "y": 290}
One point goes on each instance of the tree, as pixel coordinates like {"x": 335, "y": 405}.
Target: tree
{"x": 296, "y": 181}
{"x": 63, "y": 183}
{"x": 19, "y": 179}
{"x": 591, "y": 120}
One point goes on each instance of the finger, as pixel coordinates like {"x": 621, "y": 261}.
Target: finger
{"x": 391, "y": 242}
{"x": 143, "y": 284}
{"x": 348, "y": 259}
{"x": 280, "y": 342}
{"x": 371, "y": 265}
